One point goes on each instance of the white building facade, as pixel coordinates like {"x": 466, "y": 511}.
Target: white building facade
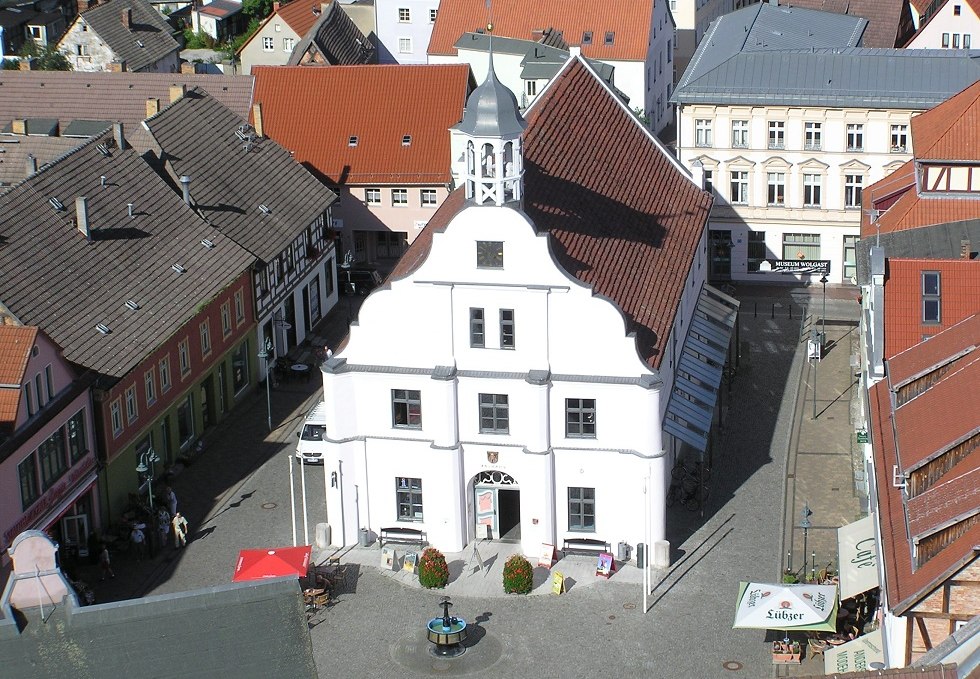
{"x": 954, "y": 25}
{"x": 403, "y": 29}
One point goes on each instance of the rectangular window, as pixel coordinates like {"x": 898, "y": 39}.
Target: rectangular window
{"x": 850, "y": 258}
{"x": 812, "y": 136}
{"x": 115, "y": 414}
{"x": 372, "y": 196}
{"x": 931, "y": 303}
{"x": 581, "y": 509}
{"x": 580, "y": 418}
{"x": 531, "y": 87}
{"x": 777, "y": 134}
{"x": 239, "y": 367}
{"x": 132, "y": 410}
{"x": 494, "y": 417}
{"x": 945, "y": 39}
{"x": 900, "y": 138}
{"x": 49, "y": 381}
{"x": 399, "y": 196}
{"x": 287, "y": 44}
{"x": 956, "y": 41}
{"x": 811, "y": 190}
{"x": 428, "y": 197}
{"x": 225, "y": 320}
{"x": 405, "y": 45}
{"x": 739, "y": 188}
{"x": 77, "y": 444}
{"x": 740, "y": 134}
{"x": 151, "y": 388}
{"x": 756, "y": 249}
{"x": 268, "y": 43}
{"x": 185, "y": 421}
{"x": 956, "y": 10}
{"x": 165, "y": 374}
{"x": 406, "y": 408}
{"x": 777, "y": 188}
{"x": 477, "y": 331}
{"x": 239, "y": 307}
{"x": 709, "y": 181}
{"x": 51, "y": 457}
{"x": 408, "y": 493}
{"x": 39, "y": 391}
{"x": 205, "y": 338}
{"x": 404, "y": 15}
{"x": 853, "y": 187}
{"x": 966, "y": 41}
{"x": 507, "y": 329}
{"x": 184, "y": 357}
{"x": 702, "y": 133}
{"x": 27, "y": 471}
{"x": 433, "y": 13}
{"x": 29, "y": 399}
{"x": 801, "y": 246}
{"x": 855, "y": 137}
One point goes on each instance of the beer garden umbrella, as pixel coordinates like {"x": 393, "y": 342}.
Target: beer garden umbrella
{"x": 257, "y": 564}
{"x": 786, "y": 607}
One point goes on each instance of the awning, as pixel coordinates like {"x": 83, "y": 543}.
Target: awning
{"x": 854, "y": 656}
{"x": 698, "y": 374}
{"x": 257, "y": 564}
{"x": 786, "y": 607}
{"x": 858, "y": 557}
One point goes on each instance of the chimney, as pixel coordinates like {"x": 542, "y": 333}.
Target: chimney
{"x": 152, "y": 106}
{"x": 26, "y": 64}
{"x": 697, "y": 173}
{"x": 965, "y": 252}
{"x": 81, "y": 217}
{"x": 185, "y": 183}
{"x": 127, "y": 17}
{"x": 117, "y": 66}
{"x": 117, "y": 134}
{"x": 188, "y": 67}
{"x": 31, "y": 164}
{"x": 176, "y": 92}
{"x": 276, "y": 6}
{"x": 257, "y": 119}
{"x": 18, "y": 126}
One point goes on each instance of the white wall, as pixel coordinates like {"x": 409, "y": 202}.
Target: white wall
{"x": 391, "y": 29}
{"x": 965, "y": 28}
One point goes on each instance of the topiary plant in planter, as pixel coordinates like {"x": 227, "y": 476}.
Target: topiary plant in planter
{"x": 433, "y": 571}
{"x": 518, "y": 575}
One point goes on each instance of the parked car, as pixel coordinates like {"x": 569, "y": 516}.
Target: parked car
{"x": 358, "y": 280}
{"x": 311, "y": 445}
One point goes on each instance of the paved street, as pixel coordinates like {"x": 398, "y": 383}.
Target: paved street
{"x": 237, "y": 496}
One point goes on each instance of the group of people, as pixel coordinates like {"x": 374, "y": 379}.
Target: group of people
{"x": 168, "y": 521}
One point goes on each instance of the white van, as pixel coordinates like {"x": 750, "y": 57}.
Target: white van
{"x": 311, "y": 447}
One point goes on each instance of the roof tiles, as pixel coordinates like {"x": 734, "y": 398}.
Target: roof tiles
{"x": 300, "y": 15}
{"x": 950, "y": 131}
{"x": 921, "y": 358}
{"x": 145, "y": 41}
{"x": 330, "y": 119}
{"x": 889, "y": 21}
{"x": 15, "y": 350}
{"x": 628, "y": 20}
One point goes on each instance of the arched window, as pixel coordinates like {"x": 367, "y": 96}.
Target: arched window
{"x": 470, "y": 158}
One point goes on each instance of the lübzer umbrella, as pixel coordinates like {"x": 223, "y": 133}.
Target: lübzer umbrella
{"x": 786, "y": 607}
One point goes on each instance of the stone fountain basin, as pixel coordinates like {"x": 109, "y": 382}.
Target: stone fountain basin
{"x": 441, "y": 635}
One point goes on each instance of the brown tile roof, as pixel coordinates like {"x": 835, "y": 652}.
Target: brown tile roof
{"x": 950, "y": 131}
{"x": 147, "y": 40}
{"x": 889, "y": 21}
{"x": 959, "y": 295}
{"x": 314, "y": 112}
{"x": 52, "y": 277}
{"x": 628, "y": 20}
{"x": 299, "y": 14}
{"x": 937, "y": 508}
{"x": 197, "y": 135}
{"x": 939, "y": 350}
{"x": 622, "y": 216}
{"x": 335, "y": 40}
{"x": 16, "y": 148}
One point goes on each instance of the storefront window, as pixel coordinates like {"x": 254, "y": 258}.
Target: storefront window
{"x": 27, "y": 470}
{"x": 185, "y": 420}
{"x": 52, "y": 458}
{"x": 77, "y": 445}
{"x": 239, "y": 367}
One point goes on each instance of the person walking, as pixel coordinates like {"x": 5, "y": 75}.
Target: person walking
{"x": 105, "y": 564}
{"x": 180, "y": 531}
{"x": 171, "y": 499}
{"x": 138, "y": 538}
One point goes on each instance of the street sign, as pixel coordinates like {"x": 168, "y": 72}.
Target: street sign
{"x": 862, "y": 437}
{"x": 821, "y": 266}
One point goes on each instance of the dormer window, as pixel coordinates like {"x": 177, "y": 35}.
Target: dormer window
{"x": 587, "y": 38}
{"x": 610, "y": 37}
{"x": 352, "y": 140}
{"x": 407, "y": 140}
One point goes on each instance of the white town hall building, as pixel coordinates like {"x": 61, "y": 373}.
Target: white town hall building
{"x": 517, "y": 369}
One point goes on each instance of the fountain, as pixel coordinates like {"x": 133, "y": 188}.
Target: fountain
{"x": 447, "y": 633}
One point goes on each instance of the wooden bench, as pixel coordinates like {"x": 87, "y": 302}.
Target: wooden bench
{"x": 585, "y": 547}
{"x": 401, "y": 535}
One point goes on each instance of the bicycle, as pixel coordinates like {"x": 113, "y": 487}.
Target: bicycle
{"x": 690, "y": 492}
{"x": 697, "y": 471}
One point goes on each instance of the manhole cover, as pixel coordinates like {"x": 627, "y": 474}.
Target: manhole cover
{"x": 612, "y": 617}
{"x": 269, "y": 505}
{"x": 732, "y": 665}
{"x": 629, "y": 607}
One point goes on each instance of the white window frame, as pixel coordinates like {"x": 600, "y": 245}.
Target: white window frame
{"x": 776, "y": 189}
{"x": 372, "y": 196}
{"x": 288, "y": 44}
{"x": 115, "y": 417}
{"x": 399, "y": 197}
{"x": 853, "y": 191}
{"x": 740, "y": 134}
{"x": 854, "y": 137}
{"x": 184, "y": 357}
{"x": 777, "y": 134}
{"x": 404, "y": 15}
{"x": 268, "y": 43}
{"x": 427, "y": 197}
{"x": 165, "y": 374}
{"x": 702, "y": 133}
{"x": 812, "y": 189}
{"x": 151, "y": 387}
{"x": 132, "y": 406}
{"x": 812, "y": 136}
{"x": 741, "y": 178}
{"x": 899, "y": 141}
{"x": 405, "y": 46}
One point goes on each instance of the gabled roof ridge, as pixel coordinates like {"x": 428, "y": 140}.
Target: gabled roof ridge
{"x": 47, "y": 166}
{"x": 29, "y": 332}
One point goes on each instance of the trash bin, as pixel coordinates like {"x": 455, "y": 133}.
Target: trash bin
{"x": 364, "y": 538}
{"x": 623, "y": 551}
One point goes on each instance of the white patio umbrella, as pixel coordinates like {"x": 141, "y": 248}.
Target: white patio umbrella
{"x": 786, "y": 607}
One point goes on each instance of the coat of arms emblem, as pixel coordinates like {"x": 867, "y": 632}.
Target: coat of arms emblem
{"x": 492, "y": 456}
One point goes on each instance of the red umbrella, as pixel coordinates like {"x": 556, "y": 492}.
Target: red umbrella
{"x": 256, "y": 564}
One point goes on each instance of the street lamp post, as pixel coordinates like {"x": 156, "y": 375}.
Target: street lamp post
{"x": 150, "y": 457}
{"x": 266, "y": 353}
{"x": 823, "y": 316}
{"x": 805, "y": 525}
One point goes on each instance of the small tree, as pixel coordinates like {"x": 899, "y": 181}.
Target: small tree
{"x": 518, "y": 575}
{"x": 46, "y": 58}
{"x": 433, "y": 571}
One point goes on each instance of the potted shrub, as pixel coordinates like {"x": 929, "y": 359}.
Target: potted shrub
{"x": 518, "y": 575}
{"x": 433, "y": 571}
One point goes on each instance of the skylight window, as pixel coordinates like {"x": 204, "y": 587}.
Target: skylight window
{"x": 352, "y": 140}
{"x": 610, "y": 37}
{"x": 407, "y": 140}
{"x": 103, "y": 328}
{"x": 587, "y": 38}
{"x": 56, "y": 204}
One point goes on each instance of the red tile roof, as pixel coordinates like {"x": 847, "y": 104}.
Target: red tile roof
{"x": 622, "y": 216}
{"x": 889, "y": 21}
{"x": 959, "y": 295}
{"x": 16, "y": 343}
{"x": 923, "y": 357}
{"x": 628, "y": 20}
{"x": 314, "y": 112}
{"x": 952, "y": 500}
{"x": 950, "y": 131}
{"x": 299, "y": 15}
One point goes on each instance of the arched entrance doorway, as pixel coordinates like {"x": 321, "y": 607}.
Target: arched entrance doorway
{"x": 497, "y": 506}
